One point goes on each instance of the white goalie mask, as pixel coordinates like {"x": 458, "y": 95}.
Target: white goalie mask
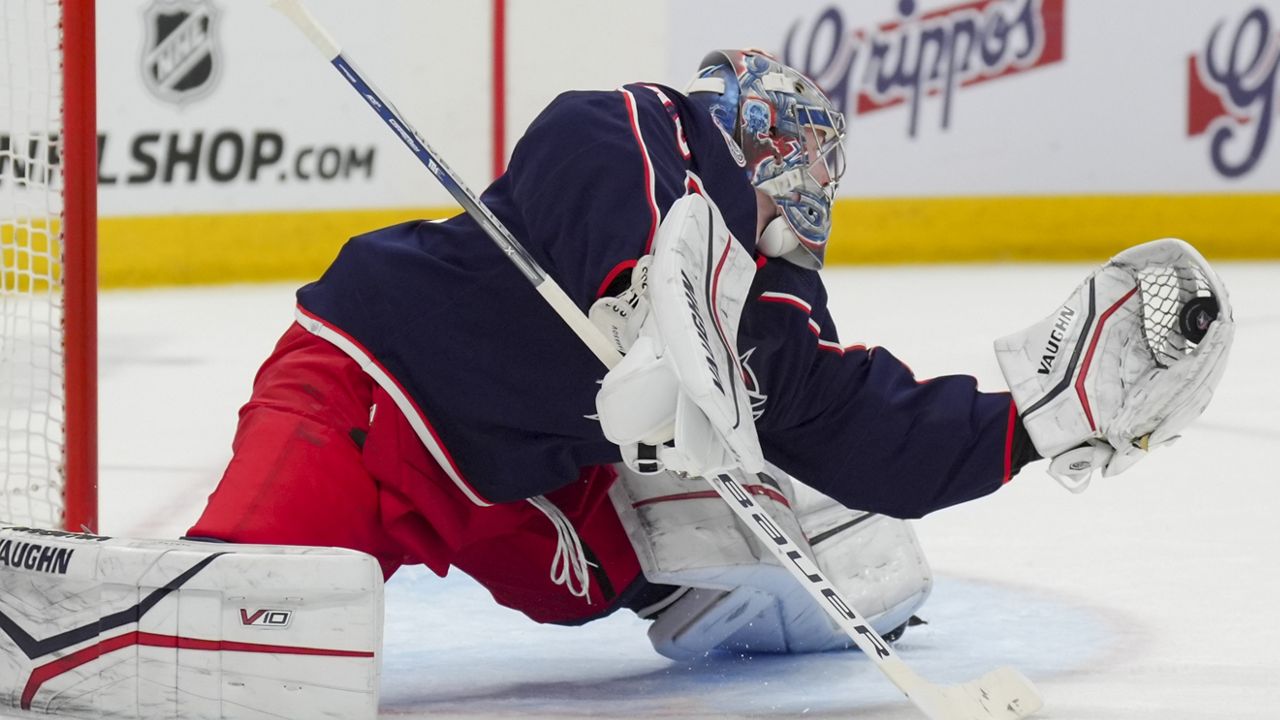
{"x": 791, "y": 138}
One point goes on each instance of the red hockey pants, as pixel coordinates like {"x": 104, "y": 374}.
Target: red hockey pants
{"x": 309, "y": 467}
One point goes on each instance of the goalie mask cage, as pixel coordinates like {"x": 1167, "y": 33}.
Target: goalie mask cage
{"x": 48, "y": 264}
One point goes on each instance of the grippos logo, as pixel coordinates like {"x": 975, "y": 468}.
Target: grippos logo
{"x": 180, "y": 58}
{"x": 1232, "y": 92}
{"x": 920, "y": 55}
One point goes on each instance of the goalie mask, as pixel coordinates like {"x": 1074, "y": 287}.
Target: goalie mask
{"x": 792, "y": 143}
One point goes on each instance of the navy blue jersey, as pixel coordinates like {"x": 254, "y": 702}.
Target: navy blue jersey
{"x": 503, "y": 393}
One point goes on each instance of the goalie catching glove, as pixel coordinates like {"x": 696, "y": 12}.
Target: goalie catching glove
{"x": 677, "y": 400}
{"x": 1129, "y": 360}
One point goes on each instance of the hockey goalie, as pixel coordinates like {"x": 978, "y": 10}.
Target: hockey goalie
{"x": 426, "y": 407}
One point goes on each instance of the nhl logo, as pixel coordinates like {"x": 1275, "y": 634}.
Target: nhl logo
{"x": 180, "y": 60}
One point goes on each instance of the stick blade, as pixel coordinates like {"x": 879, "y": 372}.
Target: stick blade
{"x": 1002, "y": 694}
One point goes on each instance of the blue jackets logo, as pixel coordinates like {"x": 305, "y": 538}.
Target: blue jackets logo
{"x": 751, "y": 382}
{"x": 1231, "y": 92}
{"x": 180, "y": 58}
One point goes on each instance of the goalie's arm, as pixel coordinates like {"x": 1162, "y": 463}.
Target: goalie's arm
{"x": 856, "y": 424}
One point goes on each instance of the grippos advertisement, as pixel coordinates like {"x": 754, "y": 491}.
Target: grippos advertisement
{"x": 213, "y": 106}
{"x": 1028, "y": 97}
{"x": 920, "y": 55}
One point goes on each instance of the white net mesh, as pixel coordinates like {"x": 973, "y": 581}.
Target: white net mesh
{"x": 1167, "y": 291}
{"x": 31, "y": 203}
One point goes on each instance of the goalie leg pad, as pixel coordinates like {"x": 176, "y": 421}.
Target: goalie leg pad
{"x": 97, "y": 627}
{"x": 737, "y": 597}
{"x": 875, "y": 561}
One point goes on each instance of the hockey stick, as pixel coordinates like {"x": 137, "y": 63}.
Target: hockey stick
{"x": 1003, "y": 694}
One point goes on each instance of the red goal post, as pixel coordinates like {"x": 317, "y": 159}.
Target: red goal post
{"x": 80, "y": 270}
{"x": 48, "y": 265}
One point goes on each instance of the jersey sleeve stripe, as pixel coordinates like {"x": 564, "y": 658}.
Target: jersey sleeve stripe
{"x": 815, "y": 328}
{"x": 1008, "y": 443}
{"x": 681, "y": 142}
{"x": 649, "y": 180}
{"x": 787, "y": 299}
{"x": 613, "y": 275}
{"x": 829, "y": 346}
{"x": 693, "y": 184}
{"x": 421, "y": 426}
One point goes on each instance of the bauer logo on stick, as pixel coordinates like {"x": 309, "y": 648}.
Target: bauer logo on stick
{"x": 180, "y": 58}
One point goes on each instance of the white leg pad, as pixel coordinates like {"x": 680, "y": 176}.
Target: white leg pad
{"x": 95, "y": 627}
{"x": 739, "y": 598}
{"x": 875, "y": 561}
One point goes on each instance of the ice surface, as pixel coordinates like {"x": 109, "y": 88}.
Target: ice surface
{"x": 1153, "y": 596}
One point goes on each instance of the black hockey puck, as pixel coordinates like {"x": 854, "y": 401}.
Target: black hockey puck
{"x": 1197, "y": 316}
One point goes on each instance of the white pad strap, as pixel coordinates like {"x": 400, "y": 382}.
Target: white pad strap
{"x": 96, "y": 627}
{"x": 569, "y": 566}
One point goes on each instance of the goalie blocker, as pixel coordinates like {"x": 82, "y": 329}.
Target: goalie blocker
{"x": 98, "y": 627}
{"x": 677, "y": 400}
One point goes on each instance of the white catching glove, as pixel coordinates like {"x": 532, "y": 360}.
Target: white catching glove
{"x": 1129, "y": 360}
{"x": 677, "y": 400}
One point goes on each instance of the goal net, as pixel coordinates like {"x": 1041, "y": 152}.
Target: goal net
{"x": 47, "y": 288}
